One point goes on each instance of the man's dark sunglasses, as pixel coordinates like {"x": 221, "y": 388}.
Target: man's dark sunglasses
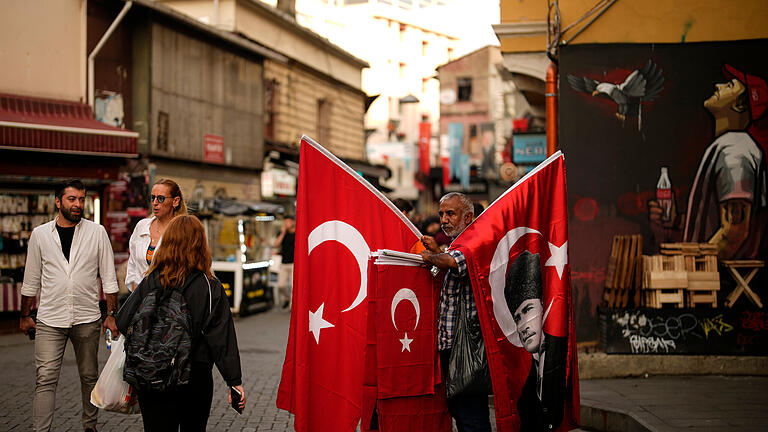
{"x": 160, "y": 198}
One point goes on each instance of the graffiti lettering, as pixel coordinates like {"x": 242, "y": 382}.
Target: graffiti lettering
{"x": 715, "y": 324}
{"x": 588, "y": 276}
{"x": 643, "y": 345}
{"x": 674, "y": 327}
{"x": 757, "y": 320}
{"x": 745, "y": 339}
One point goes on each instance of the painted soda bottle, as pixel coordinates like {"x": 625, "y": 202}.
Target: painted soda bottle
{"x": 664, "y": 195}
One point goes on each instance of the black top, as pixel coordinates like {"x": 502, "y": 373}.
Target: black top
{"x": 66, "y": 234}
{"x": 286, "y": 247}
{"x": 213, "y": 330}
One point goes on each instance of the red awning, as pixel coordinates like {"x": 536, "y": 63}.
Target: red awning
{"x": 51, "y": 125}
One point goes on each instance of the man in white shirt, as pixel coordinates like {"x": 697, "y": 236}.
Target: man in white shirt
{"x": 65, "y": 259}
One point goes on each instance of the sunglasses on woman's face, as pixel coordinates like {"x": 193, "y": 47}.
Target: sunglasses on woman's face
{"x": 159, "y": 198}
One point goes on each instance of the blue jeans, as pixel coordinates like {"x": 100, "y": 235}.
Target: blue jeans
{"x": 470, "y": 411}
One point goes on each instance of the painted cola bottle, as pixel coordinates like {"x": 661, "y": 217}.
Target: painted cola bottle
{"x": 664, "y": 194}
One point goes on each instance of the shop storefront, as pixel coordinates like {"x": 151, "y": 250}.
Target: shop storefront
{"x": 43, "y": 143}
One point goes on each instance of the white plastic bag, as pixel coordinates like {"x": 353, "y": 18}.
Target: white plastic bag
{"x": 111, "y": 393}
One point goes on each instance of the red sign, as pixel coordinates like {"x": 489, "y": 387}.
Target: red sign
{"x": 425, "y": 132}
{"x": 213, "y": 148}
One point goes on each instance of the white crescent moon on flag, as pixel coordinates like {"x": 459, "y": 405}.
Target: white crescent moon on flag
{"x": 497, "y": 280}
{"x": 406, "y": 294}
{"x": 351, "y": 238}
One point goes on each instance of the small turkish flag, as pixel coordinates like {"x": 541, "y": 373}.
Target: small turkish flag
{"x": 517, "y": 258}
{"x": 402, "y": 390}
{"x": 405, "y": 333}
{"x": 340, "y": 219}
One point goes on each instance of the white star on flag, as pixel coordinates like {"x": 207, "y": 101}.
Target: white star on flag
{"x": 406, "y": 343}
{"x": 558, "y": 259}
{"x": 317, "y": 323}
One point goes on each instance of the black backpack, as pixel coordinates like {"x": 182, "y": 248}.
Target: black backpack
{"x": 159, "y": 341}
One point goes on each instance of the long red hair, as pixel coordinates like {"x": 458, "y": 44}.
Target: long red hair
{"x": 183, "y": 249}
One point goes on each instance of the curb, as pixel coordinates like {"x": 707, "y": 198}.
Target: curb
{"x": 601, "y": 365}
{"x": 605, "y": 419}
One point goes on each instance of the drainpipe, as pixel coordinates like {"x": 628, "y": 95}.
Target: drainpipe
{"x": 551, "y": 104}
{"x": 92, "y": 55}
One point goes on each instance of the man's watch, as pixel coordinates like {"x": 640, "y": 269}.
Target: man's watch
{"x": 111, "y": 313}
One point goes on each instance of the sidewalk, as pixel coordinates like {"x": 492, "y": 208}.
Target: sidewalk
{"x": 675, "y": 403}
{"x": 666, "y": 401}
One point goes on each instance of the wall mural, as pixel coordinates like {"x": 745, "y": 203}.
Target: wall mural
{"x": 667, "y": 141}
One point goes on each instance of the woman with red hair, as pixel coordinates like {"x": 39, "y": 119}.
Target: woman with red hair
{"x": 182, "y": 266}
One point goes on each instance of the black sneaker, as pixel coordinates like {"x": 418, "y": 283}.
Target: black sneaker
{"x": 286, "y": 304}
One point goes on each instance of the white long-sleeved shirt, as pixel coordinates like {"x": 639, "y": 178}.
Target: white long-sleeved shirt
{"x": 137, "y": 246}
{"x": 69, "y": 290}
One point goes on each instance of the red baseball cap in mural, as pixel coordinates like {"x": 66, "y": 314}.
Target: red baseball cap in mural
{"x": 757, "y": 90}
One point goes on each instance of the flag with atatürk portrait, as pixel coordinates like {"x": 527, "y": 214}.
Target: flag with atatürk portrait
{"x": 517, "y": 258}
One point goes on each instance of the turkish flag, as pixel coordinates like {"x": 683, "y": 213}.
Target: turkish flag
{"x": 402, "y": 390}
{"x": 405, "y": 331}
{"x": 340, "y": 219}
{"x": 517, "y": 258}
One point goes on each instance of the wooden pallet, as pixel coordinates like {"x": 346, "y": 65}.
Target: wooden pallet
{"x": 695, "y": 249}
{"x": 623, "y": 273}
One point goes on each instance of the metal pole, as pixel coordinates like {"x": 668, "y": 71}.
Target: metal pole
{"x": 551, "y": 105}
{"x": 92, "y": 55}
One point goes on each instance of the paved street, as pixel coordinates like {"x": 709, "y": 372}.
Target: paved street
{"x": 662, "y": 403}
{"x": 261, "y": 337}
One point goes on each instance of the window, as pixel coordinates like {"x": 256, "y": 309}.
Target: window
{"x": 424, "y": 45}
{"x": 401, "y": 69}
{"x": 464, "y": 89}
{"x": 450, "y": 53}
{"x": 270, "y": 107}
{"x": 424, "y": 83}
{"x": 402, "y": 32}
{"x": 324, "y": 122}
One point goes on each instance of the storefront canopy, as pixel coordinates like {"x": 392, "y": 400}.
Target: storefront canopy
{"x": 50, "y": 125}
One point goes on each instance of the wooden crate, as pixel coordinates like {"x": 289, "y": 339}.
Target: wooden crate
{"x": 703, "y": 281}
{"x": 664, "y": 280}
{"x": 657, "y": 298}
{"x": 690, "y": 266}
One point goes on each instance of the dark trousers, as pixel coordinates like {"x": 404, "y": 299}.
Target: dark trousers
{"x": 469, "y": 410}
{"x": 186, "y": 406}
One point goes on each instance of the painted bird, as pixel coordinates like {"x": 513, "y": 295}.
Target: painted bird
{"x": 641, "y": 85}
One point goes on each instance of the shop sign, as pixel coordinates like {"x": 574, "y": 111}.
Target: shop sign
{"x": 475, "y": 188}
{"x": 275, "y": 182}
{"x": 213, "y": 147}
{"x": 529, "y": 148}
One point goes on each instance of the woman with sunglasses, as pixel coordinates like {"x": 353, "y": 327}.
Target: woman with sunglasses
{"x": 167, "y": 202}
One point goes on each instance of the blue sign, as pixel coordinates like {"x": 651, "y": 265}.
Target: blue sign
{"x": 529, "y": 148}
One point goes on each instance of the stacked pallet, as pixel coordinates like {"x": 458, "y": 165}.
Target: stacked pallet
{"x": 664, "y": 281}
{"x": 701, "y": 270}
{"x": 623, "y": 274}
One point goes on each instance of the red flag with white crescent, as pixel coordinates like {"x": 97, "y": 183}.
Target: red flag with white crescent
{"x": 517, "y": 257}
{"x": 340, "y": 219}
{"x": 405, "y": 331}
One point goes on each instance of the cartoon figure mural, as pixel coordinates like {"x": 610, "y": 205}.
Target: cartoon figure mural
{"x": 642, "y": 85}
{"x": 727, "y": 202}
{"x": 694, "y": 169}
